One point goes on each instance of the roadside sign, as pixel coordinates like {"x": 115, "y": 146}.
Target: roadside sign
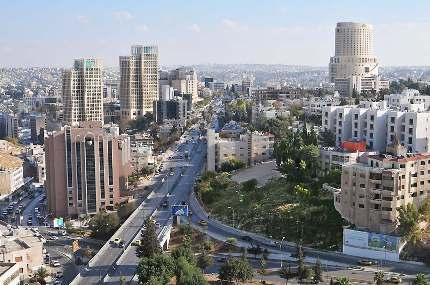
{"x": 180, "y": 210}
{"x": 58, "y": 223}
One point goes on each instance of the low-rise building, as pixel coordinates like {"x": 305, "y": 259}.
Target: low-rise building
{"x": 9, "y": 273}
{"x": 250, "y": 148}
{"x": 141, "y": 146}
{"x": 335, "y": 158}
{"x": 11, "y": 173}
{"x": 372, "y": 191}
{"x": 22, "y": 248}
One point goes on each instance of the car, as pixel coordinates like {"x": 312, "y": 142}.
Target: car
{"x": 29, "y": 223}
{"x": 203, "y": 223}
{"x": 59, "y": 274}
{"x": 366, "y": 262}
{"x": 171, "y": 173}
{"x": 221, "y": 259}
{"x": 53, "y": 238}
{"x": 165, "y": 204}
{"x": 116, "y": 241}
{"x": 55, "y": 263}
{"x": 136, "y": 242}
{"x": 246, "y": 238}
{"x": 395, "y": 279}
{"x": 58, "y": 282}
{"x": 121, "y": 244}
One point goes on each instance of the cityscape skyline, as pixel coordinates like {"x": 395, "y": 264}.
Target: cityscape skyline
{"x": 197, "y": 32}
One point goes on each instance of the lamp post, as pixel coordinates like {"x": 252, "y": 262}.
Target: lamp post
{"x": 232, "y": 214}
{"x": 281, "y": 244}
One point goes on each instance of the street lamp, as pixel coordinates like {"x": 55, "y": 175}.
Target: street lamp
{"x": 230, "y": 208}
{"x": 280, "y": 248}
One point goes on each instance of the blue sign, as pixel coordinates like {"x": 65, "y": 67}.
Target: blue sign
{"x": 180, "y": 210}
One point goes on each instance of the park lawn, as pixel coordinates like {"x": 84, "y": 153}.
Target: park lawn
{"x": 278, "y": 209}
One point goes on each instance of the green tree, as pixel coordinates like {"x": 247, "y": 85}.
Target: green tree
{"x": 379, "y": 277}
{"x": 232, "y": 164}
{"x": 421, "y": 279}
{"x": 327, "y": 138}
{"x": 301, "y": 267}
{"x": 158, "y": 268}
{"x": 318, "y": 274}
{"x": 343, "y": 281}
{"x": 103, "y": 224}
{"x": 184, "y": 251}
{"x": 249, "y": 185}
{"x": 188, "y": 274}
{"x": 285, "y": 272}
{"x": 425, "y": 210}
{"x": 236, "y": 270}
{"x": 40, "y": 275}
{"x": 409, "y": 218}
{"x": 125, "y": 210}
{"x": 204, "y": 260}
{"x": 122, "y": 281}
{"x": 262, "y": 269}
{"x": 150, "y": 246}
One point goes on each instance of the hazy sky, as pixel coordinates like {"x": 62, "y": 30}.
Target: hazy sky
{"x": 53, "y": 33}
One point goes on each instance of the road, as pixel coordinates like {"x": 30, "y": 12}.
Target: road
{"x": 102, "y": 264}
{"x": 180, "y": 185}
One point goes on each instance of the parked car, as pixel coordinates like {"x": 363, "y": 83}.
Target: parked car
{"x": 203, "y": 223}
{"x": 55, "y": 263}
{"x": 366, "y": 262}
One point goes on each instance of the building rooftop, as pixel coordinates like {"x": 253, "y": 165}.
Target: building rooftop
{"x": 5, "y": 267}
{"x": 8, "y": 161}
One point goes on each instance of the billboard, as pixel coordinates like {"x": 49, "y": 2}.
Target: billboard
{"x": 180, "y": 210}
{"x": 369, "y": 240}
{"x": 58, "y": 223}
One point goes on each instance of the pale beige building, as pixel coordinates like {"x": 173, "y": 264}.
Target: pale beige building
{"x": 138, "y": 81}
{"x": 22, "y": 248}
{"x": 250, "y": 148}
{"x": 354, "y": 65}
{"x": 83, "y": 92}
{"x": 9, "y": 274}
{"x": 11, "y": 173}
{"x": 87, "y": 167}
{"x": 372, "y": 191}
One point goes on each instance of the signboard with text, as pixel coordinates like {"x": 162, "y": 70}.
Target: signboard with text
{"x": 180, "y": 210}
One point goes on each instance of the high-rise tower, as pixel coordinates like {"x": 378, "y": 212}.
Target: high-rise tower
{"x": 138, "y": 81}
{"x": 353, "y": 51}
{"x": 83, "y": 92}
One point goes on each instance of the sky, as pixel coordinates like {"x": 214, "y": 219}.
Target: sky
{"x": 295, "y": 32}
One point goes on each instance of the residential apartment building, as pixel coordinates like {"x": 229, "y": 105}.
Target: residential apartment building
{"x": 9, "y": 124}
{"x": 314, "y": 105}
{"x": 175, "y": 109}
{"x": 335, "y": 158}
{"x": 86, "y": 168}
{"x": 37, "y": 128}
{"x": 22, "y": 248}
{"x": 372, "y": 191}
{"x": 11, "y": 173}
{"x": 378, "y": 126}
{"x": 138, "y": 87}
{"x": 250, "y": 148}
{"x": 184, "y": 80}
{"x": 83, "y": 92}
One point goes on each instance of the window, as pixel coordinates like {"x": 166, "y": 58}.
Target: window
{"x": 393, "y": 119}
{"x": 356, "y": 116}
{"x": 372, "y": 118}
{"x": 355, "y": 134}
{"x": 361, "y": 206}
{"x": 410, "y": 140}
{"x": 391, "y": 128}
{"x": 423, "y": 162}
{"x": 411, "y": 121}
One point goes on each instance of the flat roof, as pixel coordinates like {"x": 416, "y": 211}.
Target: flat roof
{"x": 8, "y": 161}
{"x": 5, "y": 267}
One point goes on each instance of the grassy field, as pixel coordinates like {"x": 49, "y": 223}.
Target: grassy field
{"x": 278, "y": 209}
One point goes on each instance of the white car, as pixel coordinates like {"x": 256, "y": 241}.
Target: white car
{"x": 55, "y": 263}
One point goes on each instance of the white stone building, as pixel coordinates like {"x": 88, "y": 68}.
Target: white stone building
{"x": 249, "y": 148}
{"x": 11, "y": 173}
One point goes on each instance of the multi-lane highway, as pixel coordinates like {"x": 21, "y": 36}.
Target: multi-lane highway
{"x": 112, "y": 262}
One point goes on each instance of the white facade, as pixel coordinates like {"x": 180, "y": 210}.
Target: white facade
{"x": 138, "y": 81}
{"x": 314, "y": 105}
{"x": 249, "y": 148}
{"x": 378, "y": 126}
{"x": 83, "y": 92}
{"x": 184, "y": 80}
{"x": 11, "y": 174}
{"x": 9, "y": 274}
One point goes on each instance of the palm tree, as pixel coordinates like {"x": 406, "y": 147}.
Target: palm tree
{"x": 343, "y": 281}
{"x": 378, "y": 277}
{"x": 41, "y": 274}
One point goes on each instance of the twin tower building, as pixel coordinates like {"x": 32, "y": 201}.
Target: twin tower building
{"x": 87, "y": 162}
